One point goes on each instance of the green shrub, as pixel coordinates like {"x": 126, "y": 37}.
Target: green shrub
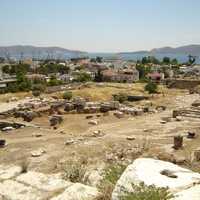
{"x": 113, "y": 173}
{"x": 151, "y": 87}
{"x": 83, "y": 77}
{"x": 54, "y": 81}
{"x": 36, "y": 93}
{"x": 142, "y": 192}
{"x": 67, "y": 95}
{"x": 12, "y": 88}
{"x": 39, "y": 87}
{"x": 121, "y": 97}
{"x": 105, "y": 192}
{"x": 74, "y": 171}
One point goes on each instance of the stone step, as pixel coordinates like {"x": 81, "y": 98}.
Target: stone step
{"x": 13, "y": 190}
{"x": 43, "y": 182}
{"x": 78, "y": 192}
{"x": 8, "y": 172}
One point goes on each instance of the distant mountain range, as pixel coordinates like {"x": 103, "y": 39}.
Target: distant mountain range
{"x": 20, "y": 51}
{"x": 189, "y": 49}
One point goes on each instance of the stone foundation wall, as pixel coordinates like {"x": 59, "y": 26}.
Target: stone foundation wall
{"x": 182, "y": 83}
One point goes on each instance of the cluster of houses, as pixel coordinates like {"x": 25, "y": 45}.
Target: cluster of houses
{"x": 111, "y": 70}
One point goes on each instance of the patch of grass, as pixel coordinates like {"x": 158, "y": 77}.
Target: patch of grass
{"x": 105, "y": 192}
{"x": 111, "y": 176}
{"x": 67, "y": 95}
{"x": 113, "y": 173}
{"x": 105, "y": 93}
{"x": 142, "y": 192}
{"x": 74, "y": 171}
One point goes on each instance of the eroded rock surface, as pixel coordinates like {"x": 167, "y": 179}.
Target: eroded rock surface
{"x": 78, "y": 192}
{"x": 153, "y": 172}
{"x": 15, "y": 185}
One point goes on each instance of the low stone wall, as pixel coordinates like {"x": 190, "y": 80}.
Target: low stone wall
{"x": 182, "y": 83}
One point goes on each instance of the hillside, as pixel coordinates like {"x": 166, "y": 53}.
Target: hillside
{"x": 189, "y": 49}
{"x": 37, "y": 52}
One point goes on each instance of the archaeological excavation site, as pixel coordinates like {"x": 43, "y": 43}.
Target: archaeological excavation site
{"x": 106, "y": 142}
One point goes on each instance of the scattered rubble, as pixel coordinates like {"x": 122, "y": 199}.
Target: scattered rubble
{"x": 196, "y": 155}
{"x": 55, "y": 120}
{"x": 191, "y": 135}
{"x": 37, "y": 135}
{"x": 119, "y": 114}
{"x": 93, "y": 122}
{"x": 178, "y": 142}
{"x": 98, "y": 133}
{"x": 7, "y": 126}
{"x": 38, "y": 153}
{"x": 130, "y": 138}
{"x": 70, "y": 141}
{"x": 2, "y": 143}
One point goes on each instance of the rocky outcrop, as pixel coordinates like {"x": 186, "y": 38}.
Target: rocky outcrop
{"x": 14, "y": 190}
{"x": 179, "y": 180}
{"x": 15, "y": 185}
{"x": 9, "y": 172}
{"x": 192, "y": 193}
{"x": 43, "y": 182}
{"x": 78, "y": 192}
{"x": 55, "y": 120}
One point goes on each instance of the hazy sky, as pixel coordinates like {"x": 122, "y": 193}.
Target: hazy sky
{"x": 100, "y": 25}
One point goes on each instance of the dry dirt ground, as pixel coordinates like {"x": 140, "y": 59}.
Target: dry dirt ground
{"x": 150, "y": 133}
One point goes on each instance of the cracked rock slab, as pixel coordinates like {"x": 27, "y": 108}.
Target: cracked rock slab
{"x": 13, "y": 190}
{"x": 43, "y": 182}
{"x": 8, "y": 172}
{"x": 192, "y": 193}
{"x": 78, "y": 192}
{"x": 150, "y": 172}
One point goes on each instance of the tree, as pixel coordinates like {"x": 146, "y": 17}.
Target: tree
{"x": 144, "y": 60}
{"x": 53, "y": 81}
{"x": 174, "y": 61}
{"x": 143, "y": 70}
{"x": 6, "y": 69}
{"x": 98, "y": 76}
{"x": 166, "y": 60}
{"x": 99, "y": 59}
{"x": 151, "y": 87}
{"x": 191, "y": 59}
{"x": 23, "y": 83}
{"x": 39, "y": 87}
{"x": 83, "y": 77}
{"x": 36, "y": 93}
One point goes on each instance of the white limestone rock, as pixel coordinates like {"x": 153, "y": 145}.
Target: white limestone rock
{"x": 93, "y": 122}
{"x": 192, "y": 193}
{"x": 13, "y": 190}
{"x": 78, "y": 192}
{"x": 94, "y": 177}
{"x": 8, "y": 172}
{"x": 43, "y": 181}
{"x": 38, "y": 153}
{"x": 149, "y": 171}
